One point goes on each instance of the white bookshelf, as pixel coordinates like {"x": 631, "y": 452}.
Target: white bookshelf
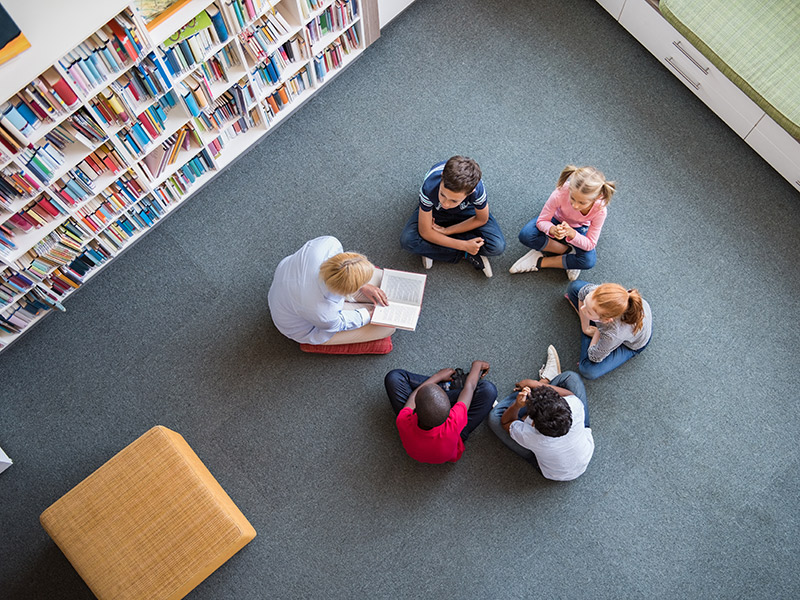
{"x": 246, "y": 119}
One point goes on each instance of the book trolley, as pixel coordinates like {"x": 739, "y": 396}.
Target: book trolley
{"x": 122, "y": 129}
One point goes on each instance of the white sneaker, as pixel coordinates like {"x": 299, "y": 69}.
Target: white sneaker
{"x": 487, "y": 266}
{"x": 526, "y": 263}
{"x": 479, "y": 262}
{"x": 552, "y": 367}
{"x": 573, "y": 274}
{"x": 427, "y": 262}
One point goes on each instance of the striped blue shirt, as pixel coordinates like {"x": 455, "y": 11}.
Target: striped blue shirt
{"x": 429, "y": 196}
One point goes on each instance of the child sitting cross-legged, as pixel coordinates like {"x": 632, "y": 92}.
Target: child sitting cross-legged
{"x": 453, "y": 222}
{"x": 565, "y": 233}
{"x": 616, "y": 325}
{"x": 546, "y": 422}
{"x": 434, "y": 422}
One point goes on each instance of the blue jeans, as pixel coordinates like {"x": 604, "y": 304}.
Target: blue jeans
{"x": 531, "y": 237}
{"x": 494, "y": 242}
{"x": 399, "y": 385}
{"x": 620, "y": 355}
{"x": 569, "y": 380}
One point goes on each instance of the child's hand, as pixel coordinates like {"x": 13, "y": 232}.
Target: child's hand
{"x": 523, "y": 395}
{"x": 481, "y": 365}
{"x": 569, "y": 232}
{"x": 445, "y": 374}
{"x": 555, "y": 232}
{"x": 438, "y": 228}
{"x": 526, "y": 383}
{"x": 472, "y": 246}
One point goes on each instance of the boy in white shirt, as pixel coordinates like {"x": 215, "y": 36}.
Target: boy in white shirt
{"x": 547, "y": 423}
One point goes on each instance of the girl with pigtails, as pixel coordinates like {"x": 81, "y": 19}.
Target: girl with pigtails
{"x": 616, "y": 325}
{"x": 565, "y": 233}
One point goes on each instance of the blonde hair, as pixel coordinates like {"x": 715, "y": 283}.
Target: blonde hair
{"x": 588, "y": 180}
{"x": 614, "y": 301}
{"x": 346, "y": 272}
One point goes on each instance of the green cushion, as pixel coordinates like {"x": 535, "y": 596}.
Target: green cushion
{"x": 755, "y": 43}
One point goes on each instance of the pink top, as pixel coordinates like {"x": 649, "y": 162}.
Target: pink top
{"x": 558, "y": 206}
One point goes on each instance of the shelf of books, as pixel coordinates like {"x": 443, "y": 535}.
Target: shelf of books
{"x": 124, "y": 127}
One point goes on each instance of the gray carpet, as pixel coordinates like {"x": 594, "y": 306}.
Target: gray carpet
{"x": 692, "y": 492}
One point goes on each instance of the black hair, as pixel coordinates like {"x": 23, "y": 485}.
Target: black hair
{"x": 550, "y": 412}
{"x": 433, "y": 406}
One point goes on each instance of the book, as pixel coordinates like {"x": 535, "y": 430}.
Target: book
{"x": 12, "y": 42}
{"x": 218, "y": 22}
{"x": 404, "y": 291}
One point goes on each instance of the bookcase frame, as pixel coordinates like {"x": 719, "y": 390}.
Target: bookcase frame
{"x": 83, "y": 18}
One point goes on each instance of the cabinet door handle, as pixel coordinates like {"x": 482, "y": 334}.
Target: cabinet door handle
{"x": 691, "y": 81}
{"x": 677, "y": 44}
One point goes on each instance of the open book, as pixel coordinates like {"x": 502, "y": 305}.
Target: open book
{"x": 404, "y": 290}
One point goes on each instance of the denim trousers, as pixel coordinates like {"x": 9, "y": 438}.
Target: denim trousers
{"x": 620, "y": 355}
{"x": 494, "y": 241}
{"x": 531, "y": 237}
{"x": 400, "y": 383}
{"x": 569, "y": 380}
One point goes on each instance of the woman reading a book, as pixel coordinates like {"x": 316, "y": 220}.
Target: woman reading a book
{"x": 315, "y": 293}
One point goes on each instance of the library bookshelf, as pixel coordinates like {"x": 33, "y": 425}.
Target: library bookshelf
{"x": 107, "y": 127}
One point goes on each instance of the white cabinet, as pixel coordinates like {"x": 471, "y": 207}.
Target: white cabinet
{"x": 612, "y": 6}
{"x": 389, "y": 9}
{"x": 729, "y": 102}
{"x": 778, "y": 148}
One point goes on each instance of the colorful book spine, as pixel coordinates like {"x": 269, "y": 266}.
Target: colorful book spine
{"x": 85, "y": 129}
{"x": 12, "y": 285}
{"x": 57, "y": 248}
{"x": 16, "y": 184}
{"x": 219, "y": 23}
{"x": 149, "y": 125}
{"x": 43, "y": 161}
{"x": 109, "y": 51}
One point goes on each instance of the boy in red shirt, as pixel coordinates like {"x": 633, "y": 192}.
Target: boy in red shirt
{"x": 434, "y": 421}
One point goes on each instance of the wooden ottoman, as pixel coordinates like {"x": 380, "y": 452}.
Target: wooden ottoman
{"x": 150, "y": 523}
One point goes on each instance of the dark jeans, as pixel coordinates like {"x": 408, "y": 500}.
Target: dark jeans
{"x": 620, "y": 355}
{"x": 531, "y": 237}
{"x": 494, "y": 242}
{"x": 399, "y": 385}
{"x": 569, "y": 380}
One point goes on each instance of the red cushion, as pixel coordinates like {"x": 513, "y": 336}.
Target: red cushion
{"x": 382, "y": 346}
